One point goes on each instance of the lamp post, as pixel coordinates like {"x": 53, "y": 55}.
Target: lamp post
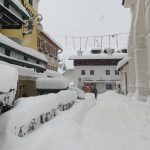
{"x": 30, "y": 25}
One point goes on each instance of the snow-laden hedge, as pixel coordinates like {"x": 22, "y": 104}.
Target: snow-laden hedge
{"x": 30, "y": 112}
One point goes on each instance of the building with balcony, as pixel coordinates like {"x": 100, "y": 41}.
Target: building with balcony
{"x": 18, "y": 49}
{"x": 17, "y": 18}
{"x": 50, "y": 48}
{"x": 96, "y": 69}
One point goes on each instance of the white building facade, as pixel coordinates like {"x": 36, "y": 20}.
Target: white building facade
{"x": 97, "y": 69}
{"x": 139, "y": 48}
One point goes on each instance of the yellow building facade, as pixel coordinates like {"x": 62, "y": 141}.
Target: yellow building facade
{"x": 29, "y": 40}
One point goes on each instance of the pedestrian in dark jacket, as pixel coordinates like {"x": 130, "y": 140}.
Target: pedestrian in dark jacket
{"x": 94, "y": 90}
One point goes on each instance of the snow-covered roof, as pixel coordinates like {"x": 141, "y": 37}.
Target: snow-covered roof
{"x": 53, "y": 74}
{"x": 22, "y": 71}
{"x": 20, "y": 6}
{"x": 52, "y": 83}
{"x": 34, "y": 53}
{"x": 50, "y": 37}
{"x": 99, "y": 56}
{"x": 8, "y": 78}
{"x": 122, "y": 63}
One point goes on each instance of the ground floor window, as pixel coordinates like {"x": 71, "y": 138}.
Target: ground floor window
{"x": 109, "y": 86}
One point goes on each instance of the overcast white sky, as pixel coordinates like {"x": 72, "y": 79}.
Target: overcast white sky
{"x": 84, "y": 18}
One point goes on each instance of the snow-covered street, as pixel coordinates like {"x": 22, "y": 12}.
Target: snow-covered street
{"x": 113, "y": 122}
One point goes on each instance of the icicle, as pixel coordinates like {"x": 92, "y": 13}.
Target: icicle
{"x": 74, "y": 43}
{"x": 101, "y": 43}
{"x": 94, "y": 40}
{"x": 117, "y": 40}
{"x": 66, "y": 41}
{"x": 109, "y": 41}
{"x": 80, "y": 43}
{"x": 86, "y": 43}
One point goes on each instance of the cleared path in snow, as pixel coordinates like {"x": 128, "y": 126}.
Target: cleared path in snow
{"x": 61, "y": 133}
{"x": 112, "y": 125}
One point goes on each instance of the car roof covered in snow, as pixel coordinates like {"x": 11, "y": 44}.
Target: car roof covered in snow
{"x": 52, "y": 83}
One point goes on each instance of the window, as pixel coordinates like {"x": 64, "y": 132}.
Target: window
{"x": 16, "y": 55}
{"x": 109, "y": 86}
{"x": 31, "y": 2}
{"x": 2, "y": 50}
{"x": 116, "y": 72}
{"x": 91, "y": 72}
{"x": 82, "y": 72}
{"x": 7, "y": 52}
{"x": 31, "y": 60}
{"x": 107, "y": 72}
{"x": 6, "y": 4}
{"x": 25, "y": 58}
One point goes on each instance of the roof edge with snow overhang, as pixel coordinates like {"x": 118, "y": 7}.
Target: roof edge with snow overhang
{"x": 52, "y": 83}
{"x": 53, "y": 40}
{"x": 98, "y": 56}
{"x": 19, "y": 7}
{"x": 127, "y": 3}
{"x": 53, "y": 74}
{"x": 26, "y": 50}
{"x": 122, "y": 63}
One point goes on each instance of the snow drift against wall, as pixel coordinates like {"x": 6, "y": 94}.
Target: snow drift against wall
{"x": 8, "y": 78}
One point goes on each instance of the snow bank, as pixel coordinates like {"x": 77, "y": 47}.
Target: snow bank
{"x": 117, "y": 122}
{"x": 51, "y": 83}
{"x": 23, "y": 71}
{"x": 67, "y": 96}
{"x": 8, "y": 78}
{"x": 53, "y": 74}
{"x": 80, "y": 92}
{"x": 29, "y": 108}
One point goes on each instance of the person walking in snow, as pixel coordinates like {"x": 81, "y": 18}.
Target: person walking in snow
{"x": 94, "y": 90}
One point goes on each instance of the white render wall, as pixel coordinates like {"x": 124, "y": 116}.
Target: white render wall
{"x": 99, "y": 74}
{"x": 69, "y": 74}
{"x": 139, "y": 47}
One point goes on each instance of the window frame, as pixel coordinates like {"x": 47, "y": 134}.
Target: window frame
{"x": 107, "y": 72}
{"x": 92, "y": 72}
{"x": 83, "y": 72}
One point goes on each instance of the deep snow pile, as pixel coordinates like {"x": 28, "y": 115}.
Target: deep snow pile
{"x": 67, "y": 96}
{"x": 117, "y": 122}
{"x": 26, "y": 109}
{"x": 61, "y": 133}
{"x": 113, "y": 122}
{"x": 8, "y": 87}
{"x": 8, "y": 78}
{"x": 80, "y": 93}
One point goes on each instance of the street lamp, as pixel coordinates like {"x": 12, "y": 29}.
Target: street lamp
{"x": 30, "y": 25}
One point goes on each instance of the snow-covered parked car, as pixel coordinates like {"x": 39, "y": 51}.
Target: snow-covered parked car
{"x": 80, "y": 93}
{"x": 8, "y": 87}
